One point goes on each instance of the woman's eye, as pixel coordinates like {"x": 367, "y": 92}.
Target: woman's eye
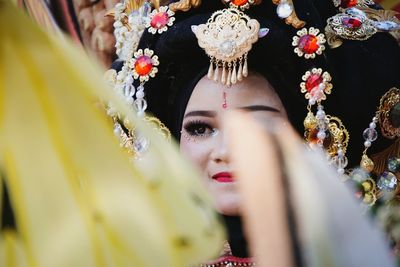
{"x": 199, "y": 129}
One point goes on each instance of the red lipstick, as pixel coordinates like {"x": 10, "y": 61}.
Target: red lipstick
{"x": 223, "y": 177}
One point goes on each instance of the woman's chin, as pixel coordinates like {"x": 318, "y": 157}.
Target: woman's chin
{"x": 228, "y": 205}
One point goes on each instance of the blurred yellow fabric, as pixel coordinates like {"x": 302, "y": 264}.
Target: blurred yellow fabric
{"x": 77, "y": 199}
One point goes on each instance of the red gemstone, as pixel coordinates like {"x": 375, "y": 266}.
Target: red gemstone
{"x": 308, "y": 43}
{"x": 313, "y": 81}
{"x": 351, "y": 23}
{"x": 348, "y": 3}
{"x": 159, "y": 20}
{"x": 239, "y": 2}
{"x": 143, "y": 65}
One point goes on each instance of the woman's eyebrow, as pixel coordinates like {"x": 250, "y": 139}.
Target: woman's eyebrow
{"x": 260, "y": 108}
{"x": 203, "y": 113}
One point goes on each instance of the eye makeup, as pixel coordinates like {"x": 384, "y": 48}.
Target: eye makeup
{"x": 195, "y": 130}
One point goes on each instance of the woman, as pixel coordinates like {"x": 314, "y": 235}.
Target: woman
{"x": 190, "y": 95}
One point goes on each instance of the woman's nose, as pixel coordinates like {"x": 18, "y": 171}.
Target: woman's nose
{"x": 220, "y": 152}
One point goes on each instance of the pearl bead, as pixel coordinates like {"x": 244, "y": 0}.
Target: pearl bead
{"x": 367, "y": 143}
{"x": 321, "y": 135}
{"x": 320, "y": 114}
{"x": 284, "y": 10}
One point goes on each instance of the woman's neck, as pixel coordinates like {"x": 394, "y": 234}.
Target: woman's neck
{"x": 236, "y": 238}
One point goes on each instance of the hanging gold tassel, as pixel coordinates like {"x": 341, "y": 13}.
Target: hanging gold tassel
{"x": 380, "y": 159}
{"x": 239, "y": 73}
{"x": 210, "y": 72}
{"x": 216, "y": 73}
{"x": 228, "y": 79}
{"x": 245, "y": 70}
{"x": 223, "y": 77}
{"x": 233, "y": 77}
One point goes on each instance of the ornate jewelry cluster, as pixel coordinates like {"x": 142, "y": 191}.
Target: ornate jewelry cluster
{"x": 360, "y": 24}
{"x": 131, "y": 20}
{"x": 227, "y": 38}
{"x": 384, "y": 167}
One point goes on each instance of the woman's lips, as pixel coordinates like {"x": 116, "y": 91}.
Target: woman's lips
{"x": 223, "y": 177}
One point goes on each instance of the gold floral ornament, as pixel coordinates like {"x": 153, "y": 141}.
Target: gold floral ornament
{"x": 309, "y": 43}
{"x": 316, "y": 84}
{"x": 160, "y": 19}
{"x": 389, "y": 114}
{"x": 355, "y": 24}
{"x": 144, "y": 64}
{"x": 227, "y": 37}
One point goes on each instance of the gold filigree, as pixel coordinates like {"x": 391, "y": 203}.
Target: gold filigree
{"x": 159, "y": 127}
{"x": 336, "y": 29}
{"x": 337, "y": 137}
{"x": 389, "y": 101}
{"x": 184, "y": 5}
{"x": 339, "y": 134}
{"x": 293, "y": 19}
{"x": 227, "y": 37}
{"x": 133, "y": 143}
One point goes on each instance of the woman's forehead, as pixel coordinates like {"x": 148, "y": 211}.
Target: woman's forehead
{"x": 254, "y": 90}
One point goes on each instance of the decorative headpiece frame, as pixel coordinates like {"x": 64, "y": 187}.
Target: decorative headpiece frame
{"x": 227, "y": 37}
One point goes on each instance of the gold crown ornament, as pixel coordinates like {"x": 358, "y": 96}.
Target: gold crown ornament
{"x": 227, "y": 38}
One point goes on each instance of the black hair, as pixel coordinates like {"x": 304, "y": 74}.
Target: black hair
{"x": 362, "y": 71}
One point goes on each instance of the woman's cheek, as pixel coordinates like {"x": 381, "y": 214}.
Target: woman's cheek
{"x": 196, "y": 151}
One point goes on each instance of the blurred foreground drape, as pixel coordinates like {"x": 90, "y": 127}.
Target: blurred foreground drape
{"x": 76, "y": 198}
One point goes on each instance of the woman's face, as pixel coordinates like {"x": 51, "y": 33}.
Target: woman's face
{"x": 203, "y": 137}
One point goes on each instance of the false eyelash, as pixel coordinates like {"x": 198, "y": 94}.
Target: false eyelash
{"x": 190, "y": 129}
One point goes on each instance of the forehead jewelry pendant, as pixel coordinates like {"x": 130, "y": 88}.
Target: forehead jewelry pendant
{"x": 224, "y": 103}
{"x": 227, "y": 38}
